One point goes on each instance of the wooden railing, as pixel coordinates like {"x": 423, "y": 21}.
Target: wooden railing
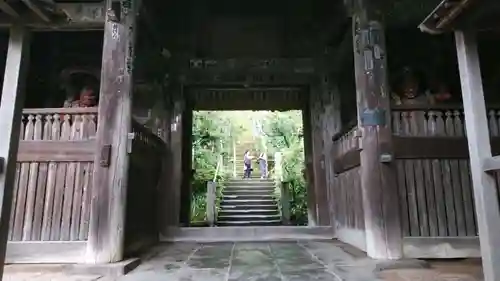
{"x": 348, "y": 207}
{"x": 54, "y": 170}
{"x": 147, "y": 160}
{"x": 433, "y": 172}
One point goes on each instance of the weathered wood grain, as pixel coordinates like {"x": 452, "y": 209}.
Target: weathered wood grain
{"x": 109, "y": 188}
{"x": 11, "y": 103}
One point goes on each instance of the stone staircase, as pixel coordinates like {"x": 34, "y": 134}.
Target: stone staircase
{"x": 249, "y": 202}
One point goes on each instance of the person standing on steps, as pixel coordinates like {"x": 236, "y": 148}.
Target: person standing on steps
{"x": 247, "y": 161}
{"x": 263, "y": 165}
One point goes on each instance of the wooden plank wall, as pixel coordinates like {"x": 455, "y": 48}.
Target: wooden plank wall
{"x": 54, "y": 175}
{"x": 436, "y": 198}
{"x": 145, "y": 171}
{"x": 347, "y": 194}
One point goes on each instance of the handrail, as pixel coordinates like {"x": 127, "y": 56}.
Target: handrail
{"x": 61, "y": 110}
{"x": 217, "y": 168}
{"x": 426, "y": 107}
{"x": 234, "y": 158}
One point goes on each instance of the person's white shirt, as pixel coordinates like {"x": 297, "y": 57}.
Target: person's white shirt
{"x": 263, "y": 156}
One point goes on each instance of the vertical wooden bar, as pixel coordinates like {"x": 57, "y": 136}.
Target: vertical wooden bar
{"x": 308, "y": 153}
{"x": 485, "y": 192}
{"x": 285, "y": 202}
{"x": 318, "y": 161}
{"x": 378, "y": 175}
{"x": 211, "y": 197}
{"x": 10, "y": 123}
{"x": 109, "y": 188}
{"x": 187, "y": 167}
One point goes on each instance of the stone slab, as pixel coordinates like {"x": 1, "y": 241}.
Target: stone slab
{"x": 107, "y": 270}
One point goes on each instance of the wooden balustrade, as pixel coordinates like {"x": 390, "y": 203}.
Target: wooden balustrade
{"x": 54, "y": 175}
{"x": 348, "y": 205}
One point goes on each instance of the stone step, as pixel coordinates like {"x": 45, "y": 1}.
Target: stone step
{"x": 252, "y": 217}
{"x": 249, "y": 186}
{"x": 250, "y": 223}
{"x": 267, "y": 191}
{"x": 240, "y": 207}
{"x": 251, "y": 182}
{"x": 247, "y": 202}
{"x": 258, "y": 212}
{"x": 248, "y": 197}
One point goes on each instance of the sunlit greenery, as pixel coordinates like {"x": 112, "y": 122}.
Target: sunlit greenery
{"x": 213, "y": 135}
{"x": 283, "y": 131}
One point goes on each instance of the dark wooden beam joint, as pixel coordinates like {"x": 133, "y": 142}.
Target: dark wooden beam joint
{"x": 115, "y": 11}
{"x": 347, "y": 161}
{"x": 105, "y": 156}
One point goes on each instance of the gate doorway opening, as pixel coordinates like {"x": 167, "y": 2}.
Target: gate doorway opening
{"x": 248, "y": 169}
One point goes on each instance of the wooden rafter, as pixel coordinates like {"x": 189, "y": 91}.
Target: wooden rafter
{"x": 6, "y": 8}
{"x": 37, "y": 10}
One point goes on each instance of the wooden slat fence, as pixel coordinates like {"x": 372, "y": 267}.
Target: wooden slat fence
{"x": 148, "y": 153}
{"x": 54, "y": 175}
{"x": 347, "y": 196}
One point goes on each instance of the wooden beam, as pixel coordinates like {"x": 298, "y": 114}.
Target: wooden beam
{"x": 317, "y": 112}
{"x": 441, "y": 247}
{"x": 37, "y": 10}
{"x": 46, "y": 252}
{"x": 70, "y": 16}
{"x": 312, "y": 216}
{"x": 109, "y": 189}
{"x": 378, "y": 180}
{"x": 10, "y": 123}
{"x": 485, "y": 191}
{"x": 6, "y": 8}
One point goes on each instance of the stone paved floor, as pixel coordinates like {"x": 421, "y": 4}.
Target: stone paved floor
{"x": 276, "y": 261}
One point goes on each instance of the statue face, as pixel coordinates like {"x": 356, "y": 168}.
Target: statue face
{"x": 410, "y": 87}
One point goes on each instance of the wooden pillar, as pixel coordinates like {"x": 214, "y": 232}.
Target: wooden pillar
{"x": 309, "y": 174}
{"x": 11, "y": 105}
{"x": 176, "y": 157}
{"x": 331, "y": 125}
{"x": 320, "y": 184}
{"x": 187, "y": 167}
{"x": 481, "y": 160}
{"x": 109, "y": 189}
{"x": 378, "y": 180}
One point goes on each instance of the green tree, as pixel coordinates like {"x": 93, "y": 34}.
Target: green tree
{"x": 283, "y": 133}
{"x": 212, "y": 137}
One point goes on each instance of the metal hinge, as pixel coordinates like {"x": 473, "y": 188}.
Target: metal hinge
{"x": 105, "y": 159}
{"x": 2, "y": 165}
{"x": 130, "y": 140}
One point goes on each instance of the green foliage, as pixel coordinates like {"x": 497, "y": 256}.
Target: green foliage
{"x": 212, "y": 137}
{"x": 284, "y": 132}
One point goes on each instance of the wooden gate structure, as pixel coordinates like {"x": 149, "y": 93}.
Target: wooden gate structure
{"x": 73, "y": 180}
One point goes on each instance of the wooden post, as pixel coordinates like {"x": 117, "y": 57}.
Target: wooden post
{"x": 485, "y": 191}
{"x": 109, "y": 190}
{"x": 309, "y": 175}
{"x": 331, "y": 125}
{"x": 378, "y": 180}
{"x": 211, "y": 198}
{"x": 318, "y": 163}
{"x": 176, "y": 159}
{"x": 187, "y": 167}
{"x": 10, "y": 123}
{"x": 285, "y": 202}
